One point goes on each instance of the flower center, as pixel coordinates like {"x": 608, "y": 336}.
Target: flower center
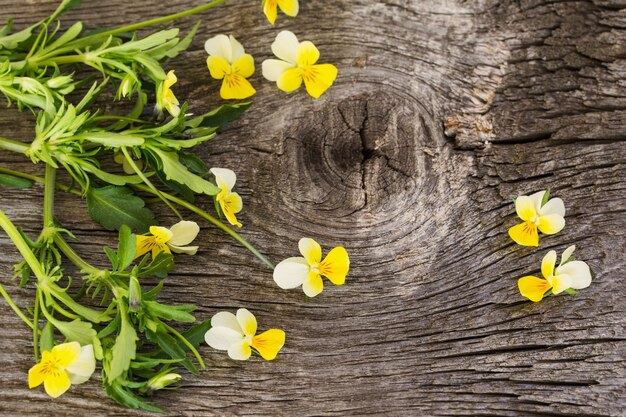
{"x": 315, "y": 268}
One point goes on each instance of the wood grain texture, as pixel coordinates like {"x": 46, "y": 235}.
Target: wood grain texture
{"x": 443, "y": 112}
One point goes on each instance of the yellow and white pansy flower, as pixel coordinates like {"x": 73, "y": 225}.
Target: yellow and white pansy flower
{"x": 230, "y": 203}
{"x": 170, "y": 240}
{"x": 289, "y": 7}
{"x": 569, "y": 274}
{"x": 165, "y": 97}
{"x": 237, "y": 335}
{"x": 229, "y": 62}
{"x": 297, "y": 64}
{"x": 307, "y": 270}
{"x": 64, "y": 365}
{"x": 537, "y": 216}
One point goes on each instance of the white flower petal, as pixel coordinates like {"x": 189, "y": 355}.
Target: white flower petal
{"x": 240, "y": 351}
{"x": 225, "y": 176}
{"x": 189, "y": 250}
{"x": 567, "y": 253}
{"x": 236, "y": 48}
{"x": 537, "y": 198}
{"x": 183, "y": 233}
{"x": 291, "y": 272}
{"x": 219, "y": 46}
{"x": 83, "y": 367}
{"x": 222, "y": 338}
{"x": 553, "y": 206}
{"x": 226, "y": 319}
{"x": 274, "y": 68}
{"x": 247, "y": 321}
{"x": 578, "y": 272}
{"x": 285, "y": 46}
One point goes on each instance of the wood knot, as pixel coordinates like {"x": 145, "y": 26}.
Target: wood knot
{"x": 360, "y": 157}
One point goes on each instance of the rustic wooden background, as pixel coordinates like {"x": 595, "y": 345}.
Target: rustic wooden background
{"x": 443, "y": 112}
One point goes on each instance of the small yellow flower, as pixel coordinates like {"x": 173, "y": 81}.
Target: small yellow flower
{"x": 64, "y": 365}
{"x": 306, "y": 271}
{"x": 169, "y": 240}
{"x": 228, "y": 61}
{"x": 569, "y": 274}
{"x": 237, "y": 335}
{"x": 297, "y": 64}
{"x": 289, "y": 7}
{"x": 165, "y": 96}
{"x": 230, "y": 203}
{"x": 547, "y": 218}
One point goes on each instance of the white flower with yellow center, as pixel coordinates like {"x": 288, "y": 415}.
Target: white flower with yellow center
{"x": 64, "y": 365}
{"x": 230, "y": 203}
{"x": 307, "y": 271}
{"x": 170, "y": 240}
{"x": 270, "y": 8}
{"x": 229, "y": 62}
{"x": 537, "y": 214}
{"x": 297, "y": 64}
{"x": 237, "y": 335}
{"x": 569, "y": 274}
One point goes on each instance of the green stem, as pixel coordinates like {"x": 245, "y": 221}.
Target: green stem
{"x": 73, "y": 256}
{"x": 13, "y": 145}
{"x": 186, "y": 343}
{"x": 22, "y": 246}
{"x": 48, "y": 196}
{"x": 15, "y": 308}
{"x": 213, "y": 220}
{"x": 36, "y": 325}
{"x": 159, "y": 20}
{"x": 41, "y": 180}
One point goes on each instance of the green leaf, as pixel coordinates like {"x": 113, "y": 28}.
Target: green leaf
{"x": 151, "y": 295}
{"x": 114, "y": 206}
{"x": 220, "y": 116}
{"x": 46, "y": 340}
{"x": 112, "y": 257}
{"x": 171, "y": 347}
{"x": 126, "y": 247}
{"x": 110, "y": 139}
{"x": 571, "y": 291}
{"x": 545, "y": 198}
{"x": 176, "y": 171}
{"x": 173, "y": 47}
{"x": 69, "y": 35}
{"x": 113, "y": 179}
{"x": 195, "y": 334}
{"x": 76, "y": 331}
{"x": 159, "y": 267}
{"x": 177, "y": 313}
{"x": 12, "y": 41}
{"x": 120, "y": 394}
{"x": 15, "y": 182}
{"x": 124, "y": 348}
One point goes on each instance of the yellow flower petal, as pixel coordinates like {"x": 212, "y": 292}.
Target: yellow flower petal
{"x": 161, "y": 234}
{"x": 158, "y": 248}
{"x": 289, "y": 7}
{"x": 269, "y": 343}
{"x": 307, "y": 54}
{"x": 57, "y": 383}
{"x": 533, "y": 287}
{"x": 317, "y": 78}
{"x": 547, "y": 264}
{"x": 247, "y": 321}
{"x": 218, "y": 67}
{"x": 65, "y": 353}
{"x": 236, "y": 87}
{"x": 336, "y": 265}
{"x": 310, "y": 249}
{"x": 551, "y": 224}
{"x": 290, "y": 80}
{"x": 313, "y": 284}
{"x": 230, "y": 203}
{"x": 144, "y": 245}
{"x": 525, "y": 234}
{"x": 170, "y": 80}
{"x": 271, "y": 10}
{"x": 244, "y": 66}
{"x": 525, "y": 207}
{"x": 38, "y": 373}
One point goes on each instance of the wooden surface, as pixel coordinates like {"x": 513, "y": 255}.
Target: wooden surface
{"x": 443, "y": 112}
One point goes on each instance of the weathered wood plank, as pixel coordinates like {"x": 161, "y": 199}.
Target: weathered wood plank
{"x": 530, "y": 94}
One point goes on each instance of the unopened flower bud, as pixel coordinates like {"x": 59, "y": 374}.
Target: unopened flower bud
{"x": 161, "y": 381}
